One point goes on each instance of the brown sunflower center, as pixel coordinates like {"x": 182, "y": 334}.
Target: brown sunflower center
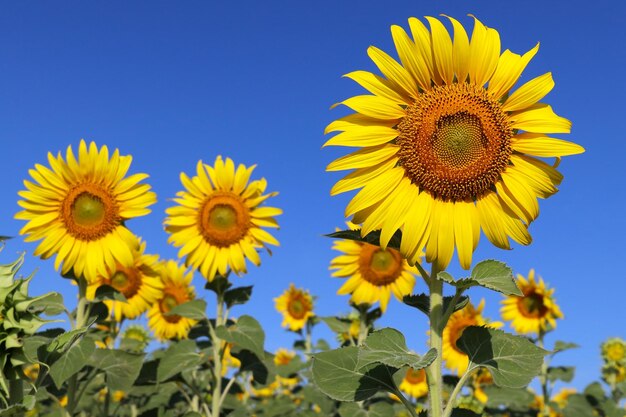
{"x": 224, "y": 219}
{"x": 378, "y": 266}
{"x": 415, "y": 377}
{"x": 455, "y": 142}
{"x": 532, "y": 305}
{"x": 297, "y": 308}
{"x": 172, "y": 297}
{"x": 89, "y": 212}
{"x": 126, "y": 280}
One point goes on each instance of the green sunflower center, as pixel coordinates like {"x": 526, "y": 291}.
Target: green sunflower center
{"x": 455, "y": 142}
{"x": 127, "y": 281}
{"x": 297, "y": 308}
{"x": 89, "y": 212}
{"x": 224, "y": 219}
{"x": 379, "y": 267}
{"x": 168, "y": 303}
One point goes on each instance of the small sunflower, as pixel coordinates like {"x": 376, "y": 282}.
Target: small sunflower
{"x": 614, "y": 350}
{"x": 283, "y": 357}
{"x": 536, "y": 311}
{"x": 480, "y": 380}
{"x": 177, "y": 289}
{"x": 137, "y": 280}
{"x": 373, "y": 272}
{"x": 78, "y": 207}
{"x": 219, "y": 218}
{"x": 228, "y": 360}
{"x": 459, "y": 321}
{"x": 296, "y": 306}
{"x": 447, "y": 148}
{"x": 414, "y": 383}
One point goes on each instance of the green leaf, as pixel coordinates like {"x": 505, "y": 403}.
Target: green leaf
{"x": 121, "y": 368}
{"x": 351, "y": 410}
{"x": 380, "y": 409}
{"x": 194, "y": 309}
{"x": 106, "y": 292}
{"x": 179, "y": 357}
{"x": 219, "y": 284}
{"x": 337, "y": 324}
{"x": 388, "y": 347}
{"x": 491, "y": 274}
{"x": 512, "y": 360}
{"x": 72, "y": 361}
{"x": 463, "y": 412}
{"x": 508, "y": 397}
{"x": 373, "y": 238}
{"x": 578, "y": 406}
{"x": 338, "y": 375}
{"x": 263, "y": 371}
{"x": 246, "y": 332}
{"x": 422, "y": 302}
{"x": 561, "y": 373}
{"x": 560, "y": 346}
{"x": 63, "y": 340}
{"x": 239, "y": 295}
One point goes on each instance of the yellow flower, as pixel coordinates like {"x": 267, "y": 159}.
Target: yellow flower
{"x": 614, "y": 350}
{"x": 481, "y": 379}
{"x": 266, "y": 391}
{"x": 283, "y": 356}
{"x": 78, "y": 208}
{"x": 296, "y": 306}
{"x": 459, "y": 321}
{"x": 445, "y": 155}
{"x": 138, "y": 280}
{"x": 414, "y": 383}
{"x": 536, "y": 311}
{"x": 228, "y": 360}
{"x": 218, "y": 220}
{"x": 177, "y": 289}
{"x": 373, "y": 273}
{"x": 31, "y": 371}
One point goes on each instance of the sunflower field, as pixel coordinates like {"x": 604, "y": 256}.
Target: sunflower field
{"x": 452, "y": 147}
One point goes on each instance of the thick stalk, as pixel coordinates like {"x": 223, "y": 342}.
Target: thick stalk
{"x": 82, "y": 315}
{"x": 433, "y": 372}
{"x": 543, "y": 378}
{"x": 363, "y": 326}
{"x": 217, "y": 358}
{"x": 308, "y": 339}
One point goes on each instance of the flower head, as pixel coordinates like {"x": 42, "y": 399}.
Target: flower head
{"x": 448, "y": 149}
{"x": 536, "y": 311}
{"x": 414, "y": 383}
{"x": 78, "y": 208}
{"x": 614, "y": 350}
{"x": 296, "y": 306}
{"x": 219, "y": 218}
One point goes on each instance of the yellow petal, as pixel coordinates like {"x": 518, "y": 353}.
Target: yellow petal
{"x": 416, "y": 227}
{"x": 540, "y": 118}
{"x": 518, "y": 197}
{"x": 538, "y": 144}
{"x": 375, "y": 191}
{"x": 460, "y": 51}
{"x": 442, "y": 50}
{"x": 363, "y": 136}
{"x": 377, "y": 86}
{"x": 364, "y": 158}
{"x": 394, "y": 72}
{"x": 375, "y": 107}
{"x": 356, "y": 120}
{"x": 508, "y": 71}
{"x": 410, "y": 58}
{"x": 361, "y": 177}
{"x": 530, "y": 93}
{"x": 489, "y": 213}
{"x": 466, "y": 226}
{"x": 484, "y": 53}
{"x": 421, "y": 36}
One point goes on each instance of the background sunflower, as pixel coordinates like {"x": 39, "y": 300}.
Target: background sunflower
{"x": 296, "y": 306}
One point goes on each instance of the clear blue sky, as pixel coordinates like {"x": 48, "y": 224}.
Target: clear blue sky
{"x": 174, "y": 82}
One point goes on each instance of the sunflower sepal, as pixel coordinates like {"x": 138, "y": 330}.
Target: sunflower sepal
{"x": 422, "y": 302}
{"x": 491, "y": 274}
{"x": 388, "y": 347}
{"x": 512, "y": 360}
{"x": 193, "y": 309}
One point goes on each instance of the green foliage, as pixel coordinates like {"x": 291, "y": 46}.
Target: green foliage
{"x": 422, "y": 302}
{"x": 177, "y": 358}
{"x": 388, "y": 347}
{"x": 561, "y": 373}
{"x": 121, "y": 368}
{"x": 71, "y": 361}
{"x": 373, "y": 238}
{"x": 246, "y": 332}
{"x": 512, "y": 360}
{"x": 491, "y": 274}
{"x": 239, "y": 295}
{"x": 194, "y": 309}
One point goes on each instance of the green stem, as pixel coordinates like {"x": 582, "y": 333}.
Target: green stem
{"x": 409, "y": 406}
{"x": 308, "y": 339}
{"x": 363, "y": 325}
{"x": 217, "y": 358}
{"x": 457, "y": 389}
{"x": 16, "y": 391}
{"x": 82, "y": 315}
{"x": 543, "y": 378}
{"x": 433, "y": 372}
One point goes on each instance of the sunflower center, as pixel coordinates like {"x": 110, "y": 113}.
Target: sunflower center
{"x": 414, "y": 377}
{"x": 167, "y": 303}
{"x": 532, "y": 305}
{"x": 616, "y": 352}
{"x": 455, "y": 142}
{"x": 378, "y": 266}
{"x": 89, "y": 212}
{"x": 297, "y": 308}
{"x": 224, "y": 219}
{"x": 127, "y": 281}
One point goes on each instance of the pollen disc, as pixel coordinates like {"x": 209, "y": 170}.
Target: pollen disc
{"x": 224, "y": 219}
{"x": 89, "y": 212}
{"x": 455, "y": 142}
{"x": 379, "y": 266}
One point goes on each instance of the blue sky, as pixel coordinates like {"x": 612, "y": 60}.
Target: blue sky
{"x": 171, "y": 83}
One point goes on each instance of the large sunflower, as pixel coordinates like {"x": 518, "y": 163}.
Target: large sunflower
{"x": 414, "y": 383}
{"x": 177, "y": 289}
{"x": 536, "y": 311}
{"x": 218, "y": 219}
{"x": 373, "y": 273}
{"x": 296, "y": 306}
{"x": 77, "y": 209}
{"x": 138, "y": 281}
{"x": 458, "y": 322}
{"x": 448, "y": 149}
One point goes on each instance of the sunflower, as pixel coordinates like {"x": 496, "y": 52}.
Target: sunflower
{"x": 444, "y": 154}
{"x": 536, "y": 311}
{"x": 414, "y": 383}
{"x": 373, "y": 272}
{"x": 217, "y": 222}
{"x": 614, "y": 350}
{"x": 296, "y": 306}
{"x": 283, "y": 357}
{"x": 138, "y": 281}
{"x": 77, "y": 208}
{"x": 480, "y": 380}
{"x": 459, "y": 320}
{"x": 177, "y": 289}
{"x": 228, "y": 360}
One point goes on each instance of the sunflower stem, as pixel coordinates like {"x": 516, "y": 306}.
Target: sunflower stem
{"x": 363, "y": 325}
{"x": 217, "y": 357}
{"x": 409, "y": 406}
{"x": 433, "y": 372}
{"x": 457, "y": 389}
{"x": 82, "y": 314}
{"x": 308, "y": 339}
{"x": 543, "y": 378}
